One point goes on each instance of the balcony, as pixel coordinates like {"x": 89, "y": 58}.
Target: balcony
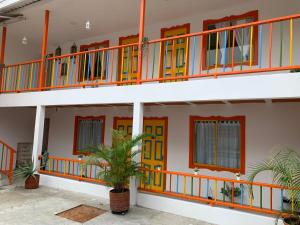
{"x": 268, "y": 46}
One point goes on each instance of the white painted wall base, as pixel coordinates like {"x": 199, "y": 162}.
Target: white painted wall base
{"x": 74, "y": 185}
{"x": 207, "y": 213}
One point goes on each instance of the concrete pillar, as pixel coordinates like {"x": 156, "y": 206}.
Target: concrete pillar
{"x": 38, "y": 134}
{"x": 137, "y": 128}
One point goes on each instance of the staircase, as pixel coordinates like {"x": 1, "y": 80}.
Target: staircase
{"x": 7, "y": 156}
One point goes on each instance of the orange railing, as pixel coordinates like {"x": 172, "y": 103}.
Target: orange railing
{"x": 92, "y": 68}
{"x": 7, "y": 155}
{"x": 270, "y": 46}
{"x": 70, "y": 168}
{"x": 265, "y": 198}
{"x": 20, "y": 77}
{"x": 256, "y": 55}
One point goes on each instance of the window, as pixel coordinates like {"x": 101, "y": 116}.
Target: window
{"x": 94, "y": 65}
{"x": 218, "y": 143}
{"x": 89, "y": 131}
{"x": 239, "y": 47}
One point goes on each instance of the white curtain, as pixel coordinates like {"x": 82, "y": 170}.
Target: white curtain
{"x": 243, "y": 33}
{"x": 90, "y": 134}
{"x": 218, "y": 143}
{"x": 222, "y": 39}
{"x": 229, "y": 144}
{"x": 205, "y": 142}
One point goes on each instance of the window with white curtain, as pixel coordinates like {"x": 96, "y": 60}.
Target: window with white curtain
{"x": 240, "y": 44}
{"x": 88, "y": 133}
{"x": 218, "y": 143}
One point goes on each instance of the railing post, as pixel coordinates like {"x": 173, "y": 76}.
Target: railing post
{"x": 11, "y": 166}
{"x": 141, "y": 37}
{"x": 2, "y": 54}
{"x": 44, "y": 48}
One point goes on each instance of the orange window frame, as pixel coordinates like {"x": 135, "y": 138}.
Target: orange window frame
{"x": 121, "y": 39}
{"x": 76, "y": 131}
{"x": 193, "y": 165}
{"x": 163, "y": 31}
{"x": 251, "y": 14}
{"x": 105, "y": 44}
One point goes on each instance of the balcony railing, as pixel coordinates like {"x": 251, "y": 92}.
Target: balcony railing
{"x": 257, "y": 197}
{"x": 241, "y": 194}
{"x": 271, "y": 46}
{"x": 70, "y": 168}
{"x": 7, "y": 158}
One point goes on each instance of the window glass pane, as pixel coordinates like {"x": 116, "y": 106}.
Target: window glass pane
{"x": 89, "y": 134}
{"x": 218, "y": 143}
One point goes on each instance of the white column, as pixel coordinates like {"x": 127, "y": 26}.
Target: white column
{"x": 137, "y": 128}
{"x": 38, "y": 134}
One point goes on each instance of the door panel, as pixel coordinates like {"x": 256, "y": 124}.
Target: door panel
{"x": 175, "y": 53}
{"x": 128, "y": 59}
{"x": 154, "y": 149}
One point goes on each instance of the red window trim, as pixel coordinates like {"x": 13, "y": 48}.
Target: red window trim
{"x": 120, "y": 52}
{"x": 76, "y": 129}
{"x": 162, "y": 35}
{"x": 206, "y": 23}
{"x": 193, "y": 165}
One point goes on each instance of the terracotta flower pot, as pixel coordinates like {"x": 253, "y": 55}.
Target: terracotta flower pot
{"x": 119, "y": 201}
{"x": 32, "y": 182}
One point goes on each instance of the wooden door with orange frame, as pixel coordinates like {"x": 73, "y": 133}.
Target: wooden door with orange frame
{"x": 175, "y": 53}
{"x": 128, "y": 59}
{"x": 154, "y": 150}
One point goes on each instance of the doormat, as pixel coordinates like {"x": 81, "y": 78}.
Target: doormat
{"x": 81, "y": 213}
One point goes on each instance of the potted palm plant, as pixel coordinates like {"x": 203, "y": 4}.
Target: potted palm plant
{"x": 285, "y": 167}
{"x": 118, "y": 165}
{"x": 28, "y": 172}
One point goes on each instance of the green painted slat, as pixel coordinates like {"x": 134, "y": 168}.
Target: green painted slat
{"x": 260, "y": 197}
{"x": 153, "y": 64}
{"x": 192, "y": 186}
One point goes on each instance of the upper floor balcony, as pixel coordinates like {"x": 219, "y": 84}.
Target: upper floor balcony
{"x": 255, "y": 39}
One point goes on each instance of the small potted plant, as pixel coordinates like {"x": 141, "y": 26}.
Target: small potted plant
{"x": 285, "y": 167}
{"x": 28, "y": 172}
{"x": 118, "y": 165}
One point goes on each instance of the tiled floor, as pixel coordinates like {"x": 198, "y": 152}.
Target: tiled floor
{"x": 38, "y": 207}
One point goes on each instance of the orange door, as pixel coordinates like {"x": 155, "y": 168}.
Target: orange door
{"x": 154, "y": 150}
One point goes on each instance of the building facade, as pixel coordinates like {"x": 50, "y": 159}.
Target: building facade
{"x": 217, "y": 82}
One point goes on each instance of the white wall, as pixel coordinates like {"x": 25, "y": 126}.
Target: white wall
{"x": 267, "y": 126}
{"x": 17, "y": 125}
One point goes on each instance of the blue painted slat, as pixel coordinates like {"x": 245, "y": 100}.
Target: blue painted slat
{"x": 194, "y": 55}
{"x": 242, "y": 194}
{"x": 177, "y": 184}
{"x": 281, "y": 199}
{"x": 70, "y": 81}
{"x": 166, "y": 58}
{"x": 225, "y": 50}
{"x": 207, "y": 187}
{"x": 56, "y": 73}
